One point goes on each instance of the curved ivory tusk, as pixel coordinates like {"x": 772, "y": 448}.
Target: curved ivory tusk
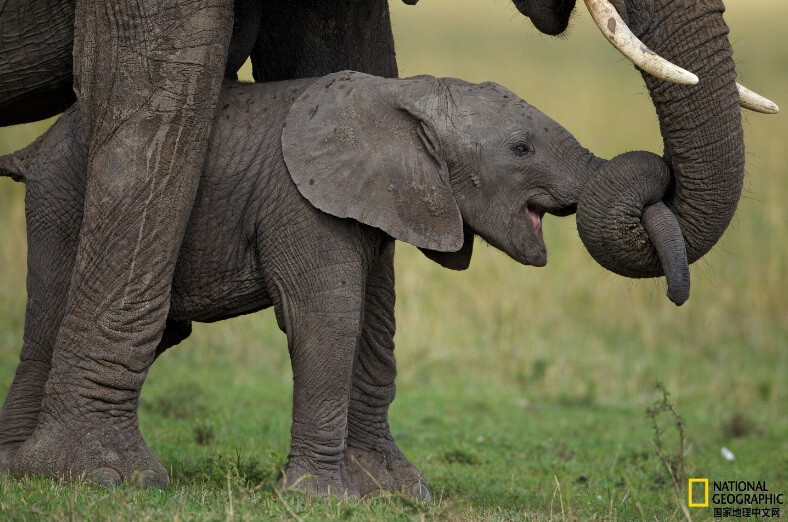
{"x": 622, "y": 38}
{"x": 755, "y": 102}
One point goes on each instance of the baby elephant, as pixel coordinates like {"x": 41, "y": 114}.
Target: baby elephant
{"x": 306, "y": 187}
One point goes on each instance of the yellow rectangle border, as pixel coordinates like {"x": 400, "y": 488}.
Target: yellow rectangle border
{"x": 705, "y": 482}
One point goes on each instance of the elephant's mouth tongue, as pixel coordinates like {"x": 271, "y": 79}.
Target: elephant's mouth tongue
{"x": 526, "y": 235}
{"x": 536, "y": 219}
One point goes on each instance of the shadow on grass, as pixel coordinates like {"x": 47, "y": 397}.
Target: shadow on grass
{"x": 248, "y": 471}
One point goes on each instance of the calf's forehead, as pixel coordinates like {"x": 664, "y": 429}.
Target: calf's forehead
{"x": 486, "y": 111}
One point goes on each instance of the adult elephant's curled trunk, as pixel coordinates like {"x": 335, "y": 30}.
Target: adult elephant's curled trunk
{"x": 625, "y": 225}
{"x": 700, "y": 181}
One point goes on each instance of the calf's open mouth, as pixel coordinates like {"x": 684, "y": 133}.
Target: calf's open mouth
{"x": 536, "y": 215}
{"x": 531, "y": 245}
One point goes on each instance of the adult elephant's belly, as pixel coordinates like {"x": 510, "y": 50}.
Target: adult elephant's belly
{"x": 36, "y": 39}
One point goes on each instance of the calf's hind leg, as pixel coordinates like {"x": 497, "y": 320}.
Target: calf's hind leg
{"x": 373, "y": 459}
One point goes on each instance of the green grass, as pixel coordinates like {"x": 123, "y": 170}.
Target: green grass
{"x": 522, "y": 392}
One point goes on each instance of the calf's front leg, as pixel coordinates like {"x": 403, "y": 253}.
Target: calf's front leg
{"x": 321, "y": 310}
{"x": 373, "y": 459}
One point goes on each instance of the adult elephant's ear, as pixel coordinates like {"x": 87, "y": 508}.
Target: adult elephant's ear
{"x": 366, "y": 148}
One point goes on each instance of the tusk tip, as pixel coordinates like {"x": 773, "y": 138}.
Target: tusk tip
{"x": 755, "y": 102}
{"x": 671, "y": 73}
{"x": 771, "y": 109}
{"x": 689, "y": 79}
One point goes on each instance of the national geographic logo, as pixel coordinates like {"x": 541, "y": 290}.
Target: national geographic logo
{"x": 698, "y": 482}
{"x": 730, "y": 496}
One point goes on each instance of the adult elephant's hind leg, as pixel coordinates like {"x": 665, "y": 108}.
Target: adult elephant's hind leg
{"x": 373, "y": 460}
{"x": 52, "y": 232}
{"x": 148, "y": 76}
{"x": 46, "y": 299}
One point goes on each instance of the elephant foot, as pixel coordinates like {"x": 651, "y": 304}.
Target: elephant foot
{"x": 105, "y": 454}
{"x": 303, "y": 477}
{"x": 21, "y": 408}
{"x": 7, "y": 454}
{"x": 386, "y": 470}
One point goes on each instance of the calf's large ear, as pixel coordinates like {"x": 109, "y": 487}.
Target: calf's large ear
{"x": 459, "y": 260}
{"x": 367, "y": 148}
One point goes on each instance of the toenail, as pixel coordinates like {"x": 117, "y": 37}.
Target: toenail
{"x": 422, "y": 493}
{"x": 104, "y": 476}
{"x": 148, "y": 478}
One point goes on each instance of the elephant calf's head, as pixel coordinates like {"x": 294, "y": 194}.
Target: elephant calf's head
{"x": 433, "y": 161}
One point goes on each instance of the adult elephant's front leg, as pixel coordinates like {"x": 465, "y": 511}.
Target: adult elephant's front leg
{"x": 147, "y": 75}
{"x": 372, "y": 457}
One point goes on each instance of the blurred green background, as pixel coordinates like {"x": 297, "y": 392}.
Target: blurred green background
{"x": 514, "y": 382}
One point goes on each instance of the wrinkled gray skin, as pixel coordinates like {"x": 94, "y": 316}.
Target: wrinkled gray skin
{"x": 147, "y": 75}
{"x": 703, "y": 139}
{"x": 404, "y": 159}
{"x": 148, "y": 99}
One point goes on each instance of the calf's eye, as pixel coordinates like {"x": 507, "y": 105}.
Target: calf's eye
{"x": 521, "y": 148}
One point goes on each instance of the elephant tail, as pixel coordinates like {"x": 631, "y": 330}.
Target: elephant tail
{"x": 17, "y": 164}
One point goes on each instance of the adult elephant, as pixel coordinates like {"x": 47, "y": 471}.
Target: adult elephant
{"x": 147, "y": 75}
